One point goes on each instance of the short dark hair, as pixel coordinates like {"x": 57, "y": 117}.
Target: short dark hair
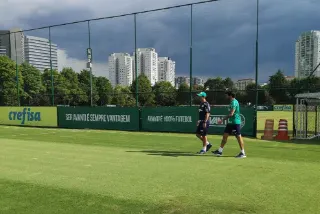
{"x": 230, "y": 93}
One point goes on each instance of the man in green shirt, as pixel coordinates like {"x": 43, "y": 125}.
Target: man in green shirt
{"x": 233, "y": 126}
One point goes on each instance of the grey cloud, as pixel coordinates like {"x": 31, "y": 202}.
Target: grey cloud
{"x": 224, "y": 35}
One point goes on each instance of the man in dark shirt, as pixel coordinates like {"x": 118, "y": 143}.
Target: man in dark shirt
{"x": 203, "y": 123}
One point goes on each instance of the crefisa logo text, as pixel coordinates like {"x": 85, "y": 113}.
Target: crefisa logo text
{"x": 25, "y": 115}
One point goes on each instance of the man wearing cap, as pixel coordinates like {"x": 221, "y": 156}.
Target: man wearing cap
{"x": 203, "y": 123}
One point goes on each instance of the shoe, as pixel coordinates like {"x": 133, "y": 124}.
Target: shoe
{"x": 241, "y": 155}
{"x": 209, "y": 147}
{"x": 202, "y": 152}
{"x": 217, "y": 153}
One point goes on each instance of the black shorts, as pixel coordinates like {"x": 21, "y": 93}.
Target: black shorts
{"x": 233, "y": 129}
{"x": 202, "y": 131}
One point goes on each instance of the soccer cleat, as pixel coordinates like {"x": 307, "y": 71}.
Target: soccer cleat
{"x": 241, "y": 155}
{"x": 209, "y": 146}
{"x": 202, "y": 152}
{"x": 217, "y": 153}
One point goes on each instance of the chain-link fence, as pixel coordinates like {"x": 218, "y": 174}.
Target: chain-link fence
{"x": 95, "y": 62}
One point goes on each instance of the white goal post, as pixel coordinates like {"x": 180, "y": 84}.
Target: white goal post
{"x": 306, "y": 116}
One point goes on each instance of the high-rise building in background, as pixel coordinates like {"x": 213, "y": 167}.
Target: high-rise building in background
{"x": 17, "y": 45}
{"x": 182, "y": 80}
{"x": 147, "y": 63}
{"x": 307, "y": 55}
{"x": 243, "y": 83}
{"x": 197, "y": 81}
{"x": 5, "y": 43}
{"x": 120, "y": 69}
{"x": 166, "y": 70}
{"x": 12, "y": 44}
{"x": 186, "y": 80}
{"x": 37, "y": 53}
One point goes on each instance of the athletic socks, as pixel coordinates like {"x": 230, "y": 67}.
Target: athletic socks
{"x": 204, "y": 148}
{"x": 220, "y": 149}
{"x": 242, "y": 151}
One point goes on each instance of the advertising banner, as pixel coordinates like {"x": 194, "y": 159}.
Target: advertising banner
{"x": 29, "y": 116}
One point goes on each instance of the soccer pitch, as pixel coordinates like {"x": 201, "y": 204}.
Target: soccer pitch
{"x": 82, "y": 171}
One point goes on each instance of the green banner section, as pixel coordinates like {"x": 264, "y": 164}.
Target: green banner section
{"x": 265, "y": 108}
{"x": 169, "y": 119}
{"x": 99, "y": 118}
{"x": 184, "y": 119}
{"x": 29, "y": 116}
{"x": 283, "y": 107}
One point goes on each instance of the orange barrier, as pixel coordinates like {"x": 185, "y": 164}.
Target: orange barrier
{"x": 268, "y": 130}
{"x": 283, "y": 130}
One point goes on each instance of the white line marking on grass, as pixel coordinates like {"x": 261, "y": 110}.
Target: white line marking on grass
{"x": 81, "y": 179}
{"x": 88, "y": 165}
{"x": 34, "y": 158}
{"x": 35, "y": 174}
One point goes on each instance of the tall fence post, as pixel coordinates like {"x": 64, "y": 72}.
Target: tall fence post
{"x": 135, "y": 59}
{"x": 257, "y": 66}
{"x": 191, "y": 43}
{"x": 17, "y": 69}
{"x": 51, "y": 69}
{"x": 89, "y": 55}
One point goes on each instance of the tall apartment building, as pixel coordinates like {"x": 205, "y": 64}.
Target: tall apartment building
{"x": 120, "y": 69}
{"x": 182, "y": 80}
{"x": 243, "y": 83}
{"x": 186, "y": 80}
{"x": 197, "y": 81}
{"x": 166, "y": 70}
{"x": 147, "y": 63}
{"x": 5, "y": 43}
{"x": 17, "y": 45}
{"x": 37, "y": 53}
{"x": 307, "y": 55}
{"x": 12, "y": 44}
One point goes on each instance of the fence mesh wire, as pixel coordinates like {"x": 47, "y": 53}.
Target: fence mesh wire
{"x": 205, "y": 40}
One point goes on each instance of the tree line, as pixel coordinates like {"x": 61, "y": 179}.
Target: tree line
{"x": 31, "y": 87}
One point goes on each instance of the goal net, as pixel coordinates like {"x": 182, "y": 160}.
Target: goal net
{"x": 306, "y": 124}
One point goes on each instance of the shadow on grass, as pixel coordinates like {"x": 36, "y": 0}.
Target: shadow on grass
{"x": 177, "y": 154}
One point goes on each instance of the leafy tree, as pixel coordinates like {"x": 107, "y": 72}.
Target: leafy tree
{"x": 8, "y": 82}
{"x": 60, "y": 87}
{"x": 146, "y": 95}
{"x": 214, "y": 84}
{"x": 278, "y": 88}
{"x": 228, "y": 84}
{"x": 76, "y": 94}
{"x": 165, "y": 94}
{"x": 251, "y": 95}
{"x": 183, "y": 94}
{"x": 33, "y": 86}
{"x": 123, "y": 97}
{"x": 84, "y": 80}
{"x": 217, "y": 88}
{"x": 104, "y": 89}
{"x": 198, "y": 88}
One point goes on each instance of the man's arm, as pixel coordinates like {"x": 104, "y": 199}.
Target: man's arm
{"x": 207, "y": 117}
{"x": 231, "y": 113}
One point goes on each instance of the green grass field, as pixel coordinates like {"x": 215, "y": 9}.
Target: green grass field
{"x": 82, "y": 171}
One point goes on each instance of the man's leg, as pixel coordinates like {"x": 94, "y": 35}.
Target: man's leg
{"x": 202, "y": 135}
{"x": 242, "y": 153}
{"x": 224, "y": 140}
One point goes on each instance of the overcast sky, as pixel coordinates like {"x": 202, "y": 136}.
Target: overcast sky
{"x": 223, "y": 32}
